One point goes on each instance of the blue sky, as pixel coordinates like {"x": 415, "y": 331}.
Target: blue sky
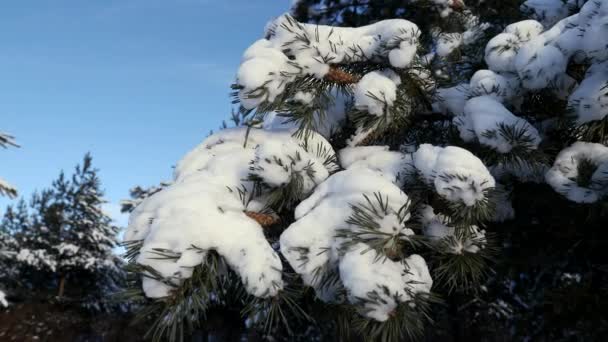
{"x": 138, "y": 83}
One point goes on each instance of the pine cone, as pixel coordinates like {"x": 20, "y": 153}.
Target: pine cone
{"x": 339, "y": 76}
{"x": 457, "y": 5}
{"x": 265, "y": 220}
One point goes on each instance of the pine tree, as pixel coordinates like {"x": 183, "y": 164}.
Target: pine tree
{"x": 65, "y": 238}
{"x": 371, "y": 166}
{"x": 86, "y": 249}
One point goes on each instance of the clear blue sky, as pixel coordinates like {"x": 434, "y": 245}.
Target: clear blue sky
{"x": 138, "y": 83}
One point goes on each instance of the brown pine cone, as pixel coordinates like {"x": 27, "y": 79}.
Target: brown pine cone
{"x": 265, "y": 220}
{"x": 339, "y": 76}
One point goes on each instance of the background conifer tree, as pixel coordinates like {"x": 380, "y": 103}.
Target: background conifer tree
{"x": 62, "y": 245}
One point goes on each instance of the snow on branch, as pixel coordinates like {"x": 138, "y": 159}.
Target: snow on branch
{"x": 214, "y": 205}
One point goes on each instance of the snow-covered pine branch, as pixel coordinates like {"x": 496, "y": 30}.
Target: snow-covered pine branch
{"x": 6, "y": 189}
{"x": 305, "y": 193}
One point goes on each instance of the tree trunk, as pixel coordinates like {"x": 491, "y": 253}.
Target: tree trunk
{"x": 61, "y": 286}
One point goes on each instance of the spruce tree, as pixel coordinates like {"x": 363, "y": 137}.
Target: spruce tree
{"x": 372, "y": 168}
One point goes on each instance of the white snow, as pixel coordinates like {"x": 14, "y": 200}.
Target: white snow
{"x": 3, "y": 301}
{"x": 304, "y": 97}
{"x": 452, "y": 100}
{"x": 376, "y": 91}
{"x": 38, "y": 259}
{"x": 310, "y": 244}
{"x": 487, "y": 82}
{"x": 501, "y": 51}
{"x": 562, "y": 176}
{"x": 549, "y": 12}
{"x": 456, "y": 173}
{"x": 326, "y": 210}
{"x": 202, "y": 207}
{"x": 394, "y": 166}
{"x": 362, "y": 274}
{"x": 483, "y": 115}
{"x": 294, "y": 49}
{"x": 538, "y": 65}
{"x": 590, "y": 99}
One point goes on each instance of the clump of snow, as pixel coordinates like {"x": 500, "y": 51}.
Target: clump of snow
{"x": 540, "y": 58}
{"x": 548, "y": 12}
{"x": 263, "y": 73}
{"x": 590, "y": 99}
{"x": 525, "y": 30}
{"x": 292, "y": 49}
{"x": 539, "y": 65}
{"x": 392, "y": 165}
{"x": 304, "y": 97}
{"x": 565, "y": 171}
{"x": 202, "y": 209}
{"x": 482, "y": 120}
{"x": 326, "y": 210}
{"x": 362, "y": 274}
{"x": 501, "y": 51}
{"x": 376, "y": 91}
{"x": 311, "y": 246}
{"x": 456, "y": 174}
{"x": 487, "y": 82}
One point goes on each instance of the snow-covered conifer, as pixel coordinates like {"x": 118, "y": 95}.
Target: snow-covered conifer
{"x": 372, "y": 164}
